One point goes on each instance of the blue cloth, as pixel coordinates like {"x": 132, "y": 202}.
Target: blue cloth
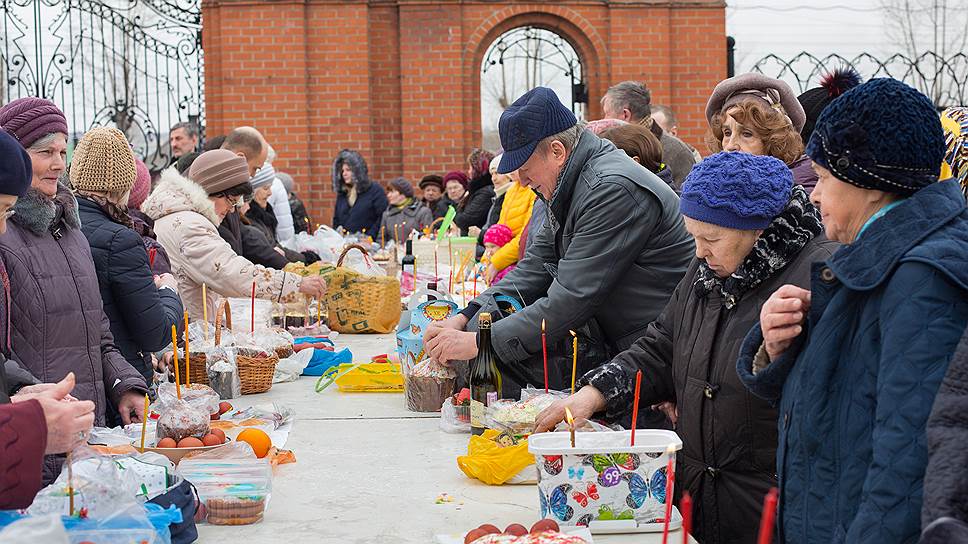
{"x": 323, "y": 360}
{"x": 366, "y": 214}
{"x": 877, "y": 215}
{"x": 736, "y": 190}
{"x": 880, "y": 135}
{"x": 855, "y": 392}
{"x": 538, "y": 114}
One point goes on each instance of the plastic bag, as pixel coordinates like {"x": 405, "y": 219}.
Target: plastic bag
{"x": 223, "y": 373}
{"x": 427, "y": 385}
{"x": 290, "y": 368}
{"x": 201, "y": 337}
{"x": 48, "y": 529}
{"x": 362, "y": 263}
{"x": 455, "y": 419}
{"x": 518, "y": 417}
{"x": 201, "y": 397}
{"x": 233, "y": 484}
{"x": 492, "y": 463}
{"x": 100, "y": 486}
{"x": 181, "y": 420}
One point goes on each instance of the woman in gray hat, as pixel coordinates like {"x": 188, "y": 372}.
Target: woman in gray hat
{"x": 759, "y": 115}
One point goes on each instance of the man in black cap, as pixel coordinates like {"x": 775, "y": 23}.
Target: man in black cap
{"x": 604, "y": 264}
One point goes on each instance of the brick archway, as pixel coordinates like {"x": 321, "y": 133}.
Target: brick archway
{"x": 399, "y": 80}
{"x": 564, "y": 22}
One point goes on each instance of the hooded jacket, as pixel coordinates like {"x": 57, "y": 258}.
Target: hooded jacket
{"x": 855, "y": 389}
{"x": 57, "y": 321}
{"x": 185, "y": 222}
{"x": 371, "y": 200}
{"x": 472, "y": 210}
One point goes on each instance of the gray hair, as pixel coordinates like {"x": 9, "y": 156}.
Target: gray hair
{"x": 46, "y": 140}
{"x": 667, "y": 111}
{"x": 631, "y": 95}
{"x": 568, "y": 137}
{"x": 191, "y": 129}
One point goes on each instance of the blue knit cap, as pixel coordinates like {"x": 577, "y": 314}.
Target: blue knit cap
{"x": 16, "y": 171}
{"x": 736, "y": 190}
{"x": 530, "y": 119}
{"x": 881, "y": 135}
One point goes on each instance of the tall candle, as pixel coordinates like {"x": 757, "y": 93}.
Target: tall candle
{"x": 174, "y": 349}
{"x": 383, "y": 242}
{"x": 570, "y": 419}
{"x": 635, "y": 404}
{"x": 144, "y": 424}
{"x": 768, "y": 518}
{"x": 574, "y": 359}
{"x": 686, "y": 507}
{"x": 544, "y": 352}
{"x": 252, "y": 322}
{"x": 205, "y": 308}
{"x": 670, "y": 488}
{"x": 188, "y": 359}
{"x": 70, "y": 481}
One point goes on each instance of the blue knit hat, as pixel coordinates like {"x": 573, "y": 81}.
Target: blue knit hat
{"x": 530, "y": 119}
{"x": 737, "y": 190}
{"x": 16, "y": 171}
{"x": 881, "y": 135}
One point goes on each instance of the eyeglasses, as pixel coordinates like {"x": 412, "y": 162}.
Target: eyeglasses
{"x": 8, "y": 214}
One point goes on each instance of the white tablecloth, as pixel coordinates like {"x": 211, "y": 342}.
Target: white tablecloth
{"x": 369, "y": 471}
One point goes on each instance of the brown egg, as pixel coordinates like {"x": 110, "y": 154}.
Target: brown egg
{"x": 220, "y": 434}
{"x": 490, "y": 529}
{"x": 190, "y": 442}
{"x": 516, "y": 529}
{"x": 167, "y": 443}
{"x": 544, "y": 525}
{"x": 211, "y": 440}
{"x": 474, "y": 535}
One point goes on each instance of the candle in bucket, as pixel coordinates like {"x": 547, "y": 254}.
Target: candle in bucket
{"x": 769, "y": 517}
{"x": 144, "y": 424}
{"x": 188, "y": 360}
{"x": 635, "y": 404}
{"x": 670, "y": 486}
{"x": 571, "y": 425}
{"x": 686, "y": 507}
{"x": 574, "y": 359}
{"x": 544, "y": 352}
{"x": 174, "y": 350}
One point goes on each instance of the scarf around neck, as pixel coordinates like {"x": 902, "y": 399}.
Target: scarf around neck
{"x": 114, "y": 212}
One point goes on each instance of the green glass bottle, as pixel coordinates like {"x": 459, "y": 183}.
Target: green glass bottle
{"x": 485, "y": 377}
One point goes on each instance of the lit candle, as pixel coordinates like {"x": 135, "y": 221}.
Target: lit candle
{"x": 686, "y": 507}
{"x": 144, "y": 424}
{"x": 574, "y": 359}
{"x": 544, "y": 352}
{"x": 319, "y": 312}
{"x": 174, "y": 349}
{"x": 188, "y": 360}
{"x": 635, "y": 404}
{"x": 768, "y": 518}
{"x": 670, "y": 485}
{"x": 570, "y": 419}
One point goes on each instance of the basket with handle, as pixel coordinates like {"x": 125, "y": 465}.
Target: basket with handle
{"x": 255, "y": 369}
{"x": 358, "y": 303}
{"x": 199, "y": 359}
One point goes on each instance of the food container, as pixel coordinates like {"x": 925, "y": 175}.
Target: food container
{"x": 413, "y": 324}
{"x": 604, "y": 482}
{"x": 234, "y": 491}
{"x": 427, "y": 394}
{"x": 367, "y": 377}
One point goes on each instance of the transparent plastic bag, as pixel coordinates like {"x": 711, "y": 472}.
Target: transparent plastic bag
{"x": 242, "y": 316}
{"x": 290, "y": 368}
{"x": 363, "y": 263}
{"x": 451, "y": 421}
{"x": 99, "y": 485}
{"x": 48, "y": 529}
{"x": 518, "y": 417}
{"x": 232, "y": 483}
{"x": 223, "y": 373}
{"x": 427, "y": 385}
{"x": 202, "y": 397}
{"x": 181, "y": 419}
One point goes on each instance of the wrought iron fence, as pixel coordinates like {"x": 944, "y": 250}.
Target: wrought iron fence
{"x": 134, "y": 64}
{"x": 943, "y": 79}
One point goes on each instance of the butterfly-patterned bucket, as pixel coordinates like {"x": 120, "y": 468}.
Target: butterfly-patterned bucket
{"x": 603, "y": 478}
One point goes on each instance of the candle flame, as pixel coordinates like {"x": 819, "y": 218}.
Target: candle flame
{"x": 568, "y": 417}
{"x": 671, "y": 450}
{"x": 542, "y": 325}
{"x": 573, "y": 333}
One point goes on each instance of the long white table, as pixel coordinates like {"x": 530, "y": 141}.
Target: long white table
{"x": 370, "y": 471}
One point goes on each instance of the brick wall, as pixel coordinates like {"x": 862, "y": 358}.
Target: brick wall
{"x": 399, "y": 80}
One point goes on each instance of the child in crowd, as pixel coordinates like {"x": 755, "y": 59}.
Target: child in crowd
{"x": 494, "y": 239}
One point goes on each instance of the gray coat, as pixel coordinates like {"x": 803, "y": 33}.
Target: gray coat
{"x": 56, "y": 316}
{"x": 612, "y": 250}
{"x": 416, "y": 216}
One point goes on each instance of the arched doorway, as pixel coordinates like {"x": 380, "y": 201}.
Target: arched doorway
{"x": 523, "y": 58}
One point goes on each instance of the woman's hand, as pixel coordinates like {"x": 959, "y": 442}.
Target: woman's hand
{"x": 583, "y": 405}
{"x": 314, "y": 286}
{"x": 782, "y": 318}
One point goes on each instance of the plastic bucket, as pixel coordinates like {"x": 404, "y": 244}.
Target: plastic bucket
{"x": 603, "y": 481}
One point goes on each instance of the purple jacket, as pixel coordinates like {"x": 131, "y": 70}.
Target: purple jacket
{"x": 56, "y": 315}
{"x": 803, "y": 173}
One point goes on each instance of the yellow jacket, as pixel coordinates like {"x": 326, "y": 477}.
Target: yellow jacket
{"x": 515, "y": 213}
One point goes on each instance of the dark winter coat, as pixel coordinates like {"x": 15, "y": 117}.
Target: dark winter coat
{"x": 441, "y": 206}
{"x": 855, "y": 390}
{"x": 257, "y": 248}
{"x": 405, "y": 220}
{"x": 230, "y": 229}
{"x": 803, "y": 173}
{"x": 472, "y": 210}
{"x": 610, "y": 253}
{"x": 946, "y": 478}
{"x": 688, "y": 356}
{"x": 371, "y": 200}
{"x": 300, "y": 219}
{"x": 58, "y": 324}
{"x": 23, "y": 438}
{"x": 141, "y": 315}
{"x": 265, "y": 220}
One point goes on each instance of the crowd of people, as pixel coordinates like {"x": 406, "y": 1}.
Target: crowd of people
{"x": 794, "y": 300}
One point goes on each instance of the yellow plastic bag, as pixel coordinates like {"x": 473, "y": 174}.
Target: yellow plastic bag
{"x": 491, "y": 463}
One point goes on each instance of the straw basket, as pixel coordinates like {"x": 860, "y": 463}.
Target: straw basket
{"x": 256, "y": 372}
{"x": 199, "y": 372}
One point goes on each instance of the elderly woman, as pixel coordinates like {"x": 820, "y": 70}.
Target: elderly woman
{"x": 360, "y": 203}
{"x": 187, "y": 213}
{"x": 141, "y": 307}
{"x": 260, "y": 214}
{"x": 754, "y": 232}
{"x": 405, "y": 213}
{"x": 761, "y": 116}
{"x": 855, "y": 362}
{"x": 57, "y": 320}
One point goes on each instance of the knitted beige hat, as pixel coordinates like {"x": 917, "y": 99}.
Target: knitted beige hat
{"x": 219, "y": 170}
{"x": 103, "y": 162}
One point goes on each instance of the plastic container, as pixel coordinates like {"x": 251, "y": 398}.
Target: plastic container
{"x": 604, "y": 482}
{"x": 234, "y": 491}
{"x": 241, "y": 309}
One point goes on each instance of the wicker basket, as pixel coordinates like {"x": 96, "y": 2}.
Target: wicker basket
{"x": 199, "y": 360}
{"x": 256, "y": 372}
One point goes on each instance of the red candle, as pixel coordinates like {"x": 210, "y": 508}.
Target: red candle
{"x": 635, "y": 403}
{"x": 544, "y": 352}
{"x": 253, "y": 308}
{"x": 474, "y": 289}
{"x": 768, "y": 519}
{"x": 151, "y": 257}
{"x": 686, "y": 507}
{"x": 670, "y": 485}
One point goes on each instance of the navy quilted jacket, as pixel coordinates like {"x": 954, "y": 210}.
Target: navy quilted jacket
{"x": 141, "y": 315}
{"x": 855, "y": 392}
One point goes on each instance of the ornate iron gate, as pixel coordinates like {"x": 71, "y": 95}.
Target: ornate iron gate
{"x": 134, "y": 64}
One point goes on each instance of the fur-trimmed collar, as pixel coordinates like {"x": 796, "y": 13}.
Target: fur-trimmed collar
{"x": 176, "y": 193}
{"x": 777, "y": 246}
{"x": 40, "y": 213}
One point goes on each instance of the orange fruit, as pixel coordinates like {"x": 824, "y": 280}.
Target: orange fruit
{"x": 258, "y": 439}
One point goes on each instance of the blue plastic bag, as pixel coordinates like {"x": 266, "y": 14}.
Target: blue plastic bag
{"x": 322, "y": 359}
